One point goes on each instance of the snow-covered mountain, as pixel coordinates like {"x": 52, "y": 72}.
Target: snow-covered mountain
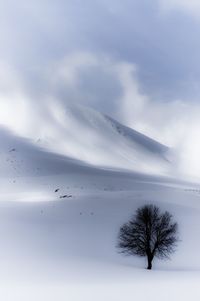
{"x": 83, "y": 134}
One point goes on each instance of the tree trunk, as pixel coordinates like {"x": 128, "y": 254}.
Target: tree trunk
{"x": 149, "y": 257}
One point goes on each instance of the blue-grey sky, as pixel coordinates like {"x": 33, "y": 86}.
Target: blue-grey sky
{"x": 163, "y": 43}
{"x": 136, "y": 60}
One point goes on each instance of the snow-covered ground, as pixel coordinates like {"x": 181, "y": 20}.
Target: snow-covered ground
{"x": 60, "y": 216}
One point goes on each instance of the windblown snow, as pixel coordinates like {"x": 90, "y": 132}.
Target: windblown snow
{"x": 66, "y": 188}
{"x": 85, "y": 134}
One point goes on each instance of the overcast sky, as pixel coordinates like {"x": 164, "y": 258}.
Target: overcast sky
{"x": 136, "y": 60}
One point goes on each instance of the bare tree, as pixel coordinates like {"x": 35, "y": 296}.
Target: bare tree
{"x": 149, "y": 233}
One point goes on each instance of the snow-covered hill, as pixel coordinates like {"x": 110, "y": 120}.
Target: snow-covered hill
{"x": 84, "y": 134}
{"x": 19, "y": 157}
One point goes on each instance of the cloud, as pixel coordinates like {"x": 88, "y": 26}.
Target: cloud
{"x": 189, "y": 7}
{"x": 86, "y": 78}
{"x": 164, "y": 47}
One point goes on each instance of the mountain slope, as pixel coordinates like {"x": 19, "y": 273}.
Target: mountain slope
{"x": 88, "y": 135}
{"x": 84, "y": 134}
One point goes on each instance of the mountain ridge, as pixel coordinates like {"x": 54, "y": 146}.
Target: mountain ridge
{"x": 83, "y": 134}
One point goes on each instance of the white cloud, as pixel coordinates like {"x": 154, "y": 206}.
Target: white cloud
{"x": 187, "y": 6}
